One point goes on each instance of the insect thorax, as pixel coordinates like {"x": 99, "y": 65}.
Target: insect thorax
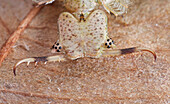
{"x": 82, "y": 38}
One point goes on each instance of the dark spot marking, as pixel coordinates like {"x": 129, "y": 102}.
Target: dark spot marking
{"x": 108, "y": 46}
{"x": 73, "y": 35}
{"x": 113, "y": 42}
{"x": 58, "y": 50}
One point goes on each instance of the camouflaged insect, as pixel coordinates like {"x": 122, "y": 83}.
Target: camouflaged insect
{"x": 85, "y": 37}
{"x": 116, "y": 7}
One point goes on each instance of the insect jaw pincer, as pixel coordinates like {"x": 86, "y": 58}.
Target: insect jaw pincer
{"x": 148, "y": 50}
{"x": 136, "y": 49}
{"x": 39, "y": 59}
{"x": 28, "y": 60}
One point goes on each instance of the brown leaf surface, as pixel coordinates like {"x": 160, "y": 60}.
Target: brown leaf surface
{"x": 132, "y": 78}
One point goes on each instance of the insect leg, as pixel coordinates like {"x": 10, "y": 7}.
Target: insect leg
{"x": 115, "y": 52}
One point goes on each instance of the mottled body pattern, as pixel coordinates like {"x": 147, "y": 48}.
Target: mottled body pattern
{"x": 82, "y": 39}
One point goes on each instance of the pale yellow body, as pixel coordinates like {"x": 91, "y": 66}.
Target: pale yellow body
{"x": 85, "y": 38}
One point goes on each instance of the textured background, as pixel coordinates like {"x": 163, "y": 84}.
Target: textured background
{"x": 132, "y": 78}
